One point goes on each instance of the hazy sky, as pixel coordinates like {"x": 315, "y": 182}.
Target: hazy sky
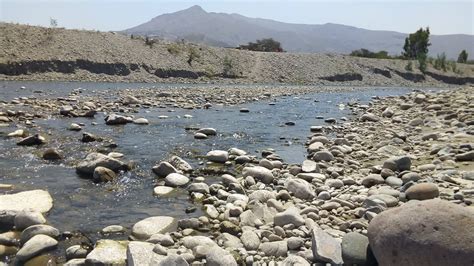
{"x": 443, "y": 16}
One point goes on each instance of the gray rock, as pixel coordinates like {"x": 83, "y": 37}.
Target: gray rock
{"x": 108, "y": 252}
{"x": 35, "y": 246}
{"x": 33, "y": 200}
{"x": 430, "y": 232}
{"x": 390, "y": 201}
{"x": 422, "y": 191}
{"x": 180, "y": 164}
{"x": 275, "y": 249}
{"x": 75, "y": 262}
{"x": 394, "y": 181}
{"x": 31, "y": 140}
{"x": 145, "y": 228}
{"x": 335, "y": 183}
{"x": 198, "y": 135}
{"x": 369, "y": 117}
{"x": 207, "y": 131}
{"x": 309, "y": 166}
{"x": 219, "y": 257}
{"x": 114, "y": 119}
{"x": 76, "y": 252}
{"x": 323, "y": 156}
{"x": 39, "y": 229}
{"x": 199, "y": 187}
{"x": 295, "y": 243}
{"x": 372, "y": 180}
{"x": 94, "y": 160}
{"x": 103, "y": 174}
{"x": 400, "y": 163}
{"x": 171, "y": 260}
{"x": 141, "y": 253}
{"x": 162, "y": 239}
{"x": 190, "y": 242}
{"x": 294, "y": 260}
{"x": 325, "y": 248}
{"x": 290, "y": 216}
{"x": 218, "y": 156}
{"x": 300, "y": 188}
{"x": 260, "y": 173}
{"x": 467, "y": 156}
{"x": 355, "y": 249}
{"x": 250, "y": 240}
{"x": 176, "y": 180}
{"x": 25, "y": 219}
{"x": 163, "y": 169}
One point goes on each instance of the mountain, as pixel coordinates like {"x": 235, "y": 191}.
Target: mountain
{"x": 231, "y": 30}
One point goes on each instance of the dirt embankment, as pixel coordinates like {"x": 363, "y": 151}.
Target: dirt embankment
{"x": 37, "y": 53}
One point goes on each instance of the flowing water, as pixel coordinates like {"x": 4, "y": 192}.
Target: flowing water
{"x": 80, "y": 204}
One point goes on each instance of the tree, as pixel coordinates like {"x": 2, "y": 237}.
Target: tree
{"x": 264, "y": 45}
{"x": 462, "y": 58}
{"x": 417, "y": 44}
{"x": 53, "y": 22}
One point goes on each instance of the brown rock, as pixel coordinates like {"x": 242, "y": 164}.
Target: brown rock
{"x": 422, "y": 191}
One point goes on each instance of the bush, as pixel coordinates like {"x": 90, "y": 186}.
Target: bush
{"x": 462, "y": 58}
{"x": 422, "y": 62}
{"x": 228, "y": 67}
{"x": 193, "y": 55}
{"x": 149, "y": 41}
{"x": 409, "y": 66}
{"x": 369, "y": 54}
{"x": 264, "y": 45}
{"x": 173, "y": 48}
{"x": 417, "y": 44}
{"x": 440, "y": 62}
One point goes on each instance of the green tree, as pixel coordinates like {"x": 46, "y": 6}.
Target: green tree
{"x": 417, "y": 44}
{"x": 264, "y": 45}
{"x": 462, "y": 58}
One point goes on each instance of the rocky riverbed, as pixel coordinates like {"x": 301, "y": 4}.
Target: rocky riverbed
{"x": 392, "y": 185}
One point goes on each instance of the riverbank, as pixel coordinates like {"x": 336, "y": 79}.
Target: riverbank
{"x": 388, "y": 185}
{"x": 36, "y": 53}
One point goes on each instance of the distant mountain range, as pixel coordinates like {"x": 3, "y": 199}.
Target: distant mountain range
{"x": 231, "y": 30}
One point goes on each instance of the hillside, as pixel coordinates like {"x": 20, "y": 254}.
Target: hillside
{"x": 36, "y": 53}
{"x": 231, "y": 30}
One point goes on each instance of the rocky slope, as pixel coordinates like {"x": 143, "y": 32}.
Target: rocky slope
{"x": 36, "y": 53}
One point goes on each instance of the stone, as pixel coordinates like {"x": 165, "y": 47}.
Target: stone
{"x": 145, "y": 228}
{"x": 200, "y": 136}
{"x": 295, "y": 243}
{"x": 88, "y": 137}
{"x": 208, "y": 131}
{"x": 300, "y": 188}
{"x": 309, "y": 166}
{"x": 325, "y": 248}
{"x": 217, "y": 256}
{"x": 467, "y": 156}
{"x": 39, "y": 229}
{"x": 170, "y": 259}
{"x": 141, "y": 253}
{"x": 6, "y": 251}
{"x": 399, "y": 164}
{"x": 141, "y": 121}
{"x": 113, "y": 229}
{"x": 76, "y": 252}
{"x": 51, "y": 154}
{"x": 19, "y": 133}
{"x": 162, "y": 190}
{"x": 274, "y": 249}
{"x": 323, "y": 156}
{"x": 94, "y": 160}
{"x": 36, "y": 245}
{"x": 190, "y": 242}
{"x": 33, "y": 200}
{"x": 250, "y": 240}
{"x": 429, "y": 232}
{"x": 108, "y": 252}
{"x": 294, "y": 260}
{"x": 180, "y": 164}
{"x": 114, "y": 119}
{"x": 334, "y": 183}
{"x": 162, "y": 239}
{"x": 163, "y": 169}
{"x": 218, "y": 156}
{"x": 198, "y": 187}
{"x": 422, "y": 191}
{"x": 176, "y": 180}
{"x": 368, "y": 117}
{"x": 259, "y": 173}
{"x": 75, "y": 127}
{"x": 25, "y": 219}
{"x": 390, "y": 201}
{"x": 290, "y": 216}
{"x": 31, "y": 141}
{"x": 355, "y": 249}
{"x": 103, "y": 174}
{"x": 372, "y": 180}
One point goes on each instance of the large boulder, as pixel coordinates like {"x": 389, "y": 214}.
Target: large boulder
{"x": 300, "y": 188}
{"x": 114, "y": 119}
{"x": 94, "y": 160}
{"x": 400, "y": 163}
{"x": 422, "y": 191}
{"x": 216, "y": 256}
{"x": 145, "y": 228}
{"x": 35, "y": 246}
{"x": 108, "y": 252}
{"x": 325, "y": 248}
{"x": 141, "y": 253}
{"x": 290, "y": 216}
{"x": 33, "y": 200}
{"x": 260, "y": 173}
{"x": 429, "y": 232}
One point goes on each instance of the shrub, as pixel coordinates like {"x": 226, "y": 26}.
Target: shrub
{"x": 422, "y": 62}
{"x": 417, "y": 44}
{"x": 409, "y": 66}
{"x": 228, "y": 67}
{"x": 462, "y": 58}
{"x": 149, "y": 41}
{"x": 173, "y": 48}
{"x": 440, "y": 62}
{"x": 369, "y": 54}
{"x": 193, "y": 55}
{"x": 264, "y": 45}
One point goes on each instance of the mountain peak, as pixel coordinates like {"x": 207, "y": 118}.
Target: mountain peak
{"x": 195, "y": 8}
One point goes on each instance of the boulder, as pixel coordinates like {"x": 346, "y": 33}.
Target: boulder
{"x": 217, "y": 156}
{"x": 153, "y": 225}
{"x": 356, "y": 250}
{"x": 400, "y": 163}
{"x": 300, "y": 188}
{"x": 260, "y": 173}
{"x": 33, "y": 200}
{"x": 429, "y": 232}
{"x": 290, "y": 216}
{"x": 40, "y": 229}
{"x": 141, "y": 253}
{"x": 114, "y": 119}
{"x": 163, "y": 169}
{"x": 31, "y": 140}
{"x": 108, "y": 252}
{"x": 274, "y": 249}
{"x": 94, "y": 160}
{"x": 422, "y": 191}
{"x": 176, "y": 180}
{"x": 325, "y": 248}
{"x": 103, "y": 174}
{"x": 25, "y": 219}
{"x": 35, "y": 246}
{"x": 217, "y": 256}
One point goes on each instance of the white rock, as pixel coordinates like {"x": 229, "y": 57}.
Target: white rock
{"x": 33, "y": 200}
{"x": 35, "y": 246}
{"x": 153, "y": 225}
{"x": 108, "y": 252}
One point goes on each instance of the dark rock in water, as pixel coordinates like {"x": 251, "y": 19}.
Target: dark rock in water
{"x": 103, "y": 174}
{"x": 88, "y": 137}
{"x": 114, "y": 119}
{"x": 32, "y": 140}
{"x": 430, "y": 232}
{"x": 244, "y": 110}
{"x": 89, "y": 114}
{"x": 330, "y": 120}
{"x": 94, "y": 160}
{"x": 51, "y": 154}
{"x": 290, "y": 123}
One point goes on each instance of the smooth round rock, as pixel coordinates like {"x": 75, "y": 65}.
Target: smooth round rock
{"x": 422, "y": 191}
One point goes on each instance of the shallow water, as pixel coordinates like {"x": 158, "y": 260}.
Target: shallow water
{"x": 79, "y": 204}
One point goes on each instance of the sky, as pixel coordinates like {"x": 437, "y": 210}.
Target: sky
{"x": 442, "y": 16}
